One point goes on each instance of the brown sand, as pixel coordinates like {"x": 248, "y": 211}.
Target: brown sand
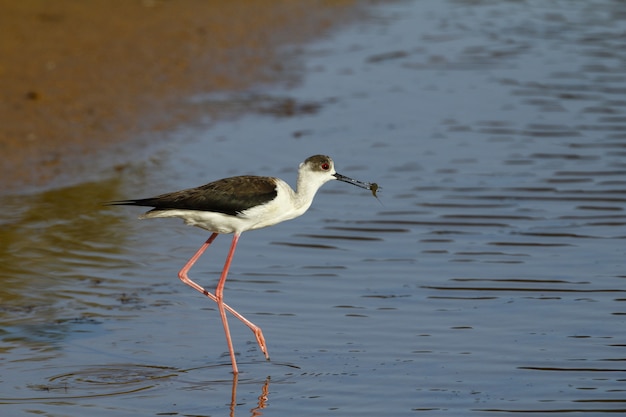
{"x": 77, "y": 76}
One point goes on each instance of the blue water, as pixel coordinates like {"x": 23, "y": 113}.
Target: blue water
{"x": 489, "y": 278}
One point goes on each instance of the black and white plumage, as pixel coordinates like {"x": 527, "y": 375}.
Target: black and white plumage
{"x": 235, "y": 205}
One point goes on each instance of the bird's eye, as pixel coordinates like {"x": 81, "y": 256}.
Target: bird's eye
{"x": 325, "y": 166}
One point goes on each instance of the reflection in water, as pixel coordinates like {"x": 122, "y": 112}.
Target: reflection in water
{"x": 54, "y": 245}
{"x": 493, "y": 279}
{"x": 125, "y": 379}
{"x": 256, "y": 411}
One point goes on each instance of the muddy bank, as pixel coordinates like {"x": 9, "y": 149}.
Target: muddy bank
{"x": 77, "y": 77}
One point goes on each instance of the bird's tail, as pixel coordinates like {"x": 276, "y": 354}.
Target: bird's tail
{"x": 146, "y": 202}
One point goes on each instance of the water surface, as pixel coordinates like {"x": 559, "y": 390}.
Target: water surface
{"x": 488, "y": 279}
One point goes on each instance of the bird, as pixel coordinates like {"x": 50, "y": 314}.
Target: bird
{"x": 235, "y": 205}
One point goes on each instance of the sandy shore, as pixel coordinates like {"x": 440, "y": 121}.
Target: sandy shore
{"x": 78, "y": 76}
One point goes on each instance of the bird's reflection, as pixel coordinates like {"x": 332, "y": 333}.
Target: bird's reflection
{"x": 262, "y": 399}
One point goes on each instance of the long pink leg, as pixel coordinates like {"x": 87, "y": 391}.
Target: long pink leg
{"x": 219, "y": 294}
{"x": 185, "y": 278}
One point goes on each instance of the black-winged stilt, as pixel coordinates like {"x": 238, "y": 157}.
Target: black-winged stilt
{"x": 235, "y": 205}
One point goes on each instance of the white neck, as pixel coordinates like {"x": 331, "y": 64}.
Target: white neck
{"x": 306, "y": 188}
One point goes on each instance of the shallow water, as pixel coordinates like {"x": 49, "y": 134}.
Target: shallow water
{"x": 488, "y": 279}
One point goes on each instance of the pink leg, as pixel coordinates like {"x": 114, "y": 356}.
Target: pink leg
{"x": 184, "y": 278}
{"x": 219, "y": 294}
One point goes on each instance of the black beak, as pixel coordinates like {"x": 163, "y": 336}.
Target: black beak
{"x": 366, "y": 185}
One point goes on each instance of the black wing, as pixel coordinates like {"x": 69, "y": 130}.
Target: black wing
{"x": 229, "y": 196}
